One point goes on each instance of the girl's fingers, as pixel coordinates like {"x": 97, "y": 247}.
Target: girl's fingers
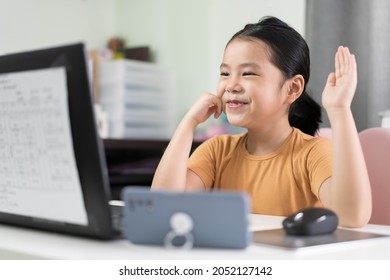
{"x": 347, "y": 58}
{"x": 218, "y": 112}
{"x": 344, "y": 61}
{"x": 215, "y": 104}
{"x": 337, "y": 63}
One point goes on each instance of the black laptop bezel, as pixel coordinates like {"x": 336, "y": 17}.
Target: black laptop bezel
{"x": 88, "y": 145}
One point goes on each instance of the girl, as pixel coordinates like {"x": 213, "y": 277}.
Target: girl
{"x": 278, "y": 162}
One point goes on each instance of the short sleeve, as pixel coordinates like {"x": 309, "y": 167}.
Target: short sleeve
{"x": 319, "y": 163}
{"x": 203, "y": 163}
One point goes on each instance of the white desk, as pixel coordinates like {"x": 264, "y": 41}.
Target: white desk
{"x": 20, "y": 243}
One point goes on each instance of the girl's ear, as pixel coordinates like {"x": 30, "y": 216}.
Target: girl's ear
{"x": 295, "y": 89}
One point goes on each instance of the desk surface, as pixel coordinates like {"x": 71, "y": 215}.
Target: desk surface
{"x": 21, "y": 243}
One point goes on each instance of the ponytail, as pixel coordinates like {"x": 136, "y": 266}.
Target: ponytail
{"x": 305, "y": 114}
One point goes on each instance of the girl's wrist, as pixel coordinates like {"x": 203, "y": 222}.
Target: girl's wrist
{"x": 335, "y": 114}
{"x": 338, "y": 110}
{"x": 190, "y": 122}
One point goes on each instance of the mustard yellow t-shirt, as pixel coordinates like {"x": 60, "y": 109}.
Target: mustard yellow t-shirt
{"x": 279, "y": 183}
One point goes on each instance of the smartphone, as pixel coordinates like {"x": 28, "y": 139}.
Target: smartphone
{"x": 217, "y": 219}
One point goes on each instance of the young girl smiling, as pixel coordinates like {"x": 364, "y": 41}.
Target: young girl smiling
{"x": 278, "y": 161}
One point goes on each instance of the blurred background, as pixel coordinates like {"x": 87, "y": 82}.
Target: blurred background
{"x": 184, "y": 39}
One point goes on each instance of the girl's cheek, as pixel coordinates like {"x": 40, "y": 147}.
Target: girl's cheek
{"x": 220, "y": 89}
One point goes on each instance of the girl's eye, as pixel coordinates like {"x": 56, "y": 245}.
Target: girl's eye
{"x": 248, "y": 73}
{"x": 224, "y": 74}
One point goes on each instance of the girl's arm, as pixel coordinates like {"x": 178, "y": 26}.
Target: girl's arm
{"x": 172, "y": 173}
{"x": 348, "y": 191}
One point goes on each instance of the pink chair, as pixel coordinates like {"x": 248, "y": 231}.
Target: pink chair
{"x": 376, "y": 148}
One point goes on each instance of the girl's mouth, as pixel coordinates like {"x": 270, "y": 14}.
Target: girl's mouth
{"x": 233, "y": 104}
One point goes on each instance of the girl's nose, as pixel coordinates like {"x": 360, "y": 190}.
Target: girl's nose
{"x": 233, "y": 87}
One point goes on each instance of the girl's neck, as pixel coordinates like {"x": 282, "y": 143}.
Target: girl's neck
{"x": 260, "y": 143}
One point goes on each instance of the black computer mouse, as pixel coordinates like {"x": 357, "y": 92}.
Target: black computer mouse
{"x": 311, "y": 221}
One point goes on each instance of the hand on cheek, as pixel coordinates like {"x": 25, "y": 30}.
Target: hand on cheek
{"x": 206, "y": 105}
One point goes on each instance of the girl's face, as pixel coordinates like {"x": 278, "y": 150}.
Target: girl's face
{"x": 253, "y": 90}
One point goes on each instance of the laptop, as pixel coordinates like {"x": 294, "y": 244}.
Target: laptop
{"x": 53, "y": 173}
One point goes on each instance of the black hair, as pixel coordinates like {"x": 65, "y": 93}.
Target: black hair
{"x": 290, "y": 54}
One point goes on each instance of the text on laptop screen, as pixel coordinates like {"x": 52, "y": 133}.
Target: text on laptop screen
{"x": 38, "y": 172}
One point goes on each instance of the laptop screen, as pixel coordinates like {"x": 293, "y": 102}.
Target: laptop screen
{"x": 53, "y": 173}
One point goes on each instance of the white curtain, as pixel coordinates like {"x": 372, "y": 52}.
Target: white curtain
{"x": 363, "y": 26}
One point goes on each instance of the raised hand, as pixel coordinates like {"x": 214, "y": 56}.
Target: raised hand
{"x": 341, "y": 84}
{"x": 348, "y": 190}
